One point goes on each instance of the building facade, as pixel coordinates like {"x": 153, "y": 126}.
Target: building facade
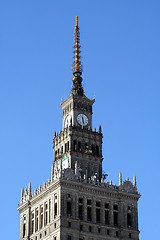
{"x": 77, "y": 203}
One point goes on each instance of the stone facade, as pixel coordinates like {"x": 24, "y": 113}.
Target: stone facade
{"x": 77, "y": 203}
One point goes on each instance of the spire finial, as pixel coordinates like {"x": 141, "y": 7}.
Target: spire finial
{"x": 76, "y": 21}
{"x": 77, "y": 88}
{"x": 120, "y": 178}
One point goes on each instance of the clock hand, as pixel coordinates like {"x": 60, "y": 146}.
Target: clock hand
{"x": 82, "y": 120}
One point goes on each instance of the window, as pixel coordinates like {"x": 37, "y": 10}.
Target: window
{"x": 55, "y": 210}
{"x": 107, "y": 231}
{"x": 46, "y": 214}
{"x": 115, "y": 218}
{"x": 32, "y": 226}
{"x": 79, "y": 147}
{"x": 36, "y": 219}
{"x": 24, "y": 230}
{"x": 97, "y": 204}
{"x": 65, "y": 147}
{"x": 130, "y": 235}
{"x": 69, "y": 237}
{"x": 75, "y": 145}
{"x": 55, "y": 238}
{"x": 69, "y": 224}
{"x": 86, "y": 146}
{"x": 90, "y": 229}
{"x": 98, "y": 212}
{"x": 80, "y": 208}
{"x": 92, "y": 148}
{"x": 69, "y": 208}
{"x": 81, "y": 212}
{"x": 41, "y": 216}
{"x": 40, "y": 236}
{"x": 116, "y": 233}
{"x": 62, "y": 149}
{"x": 98, "y": 215}
{"x": 89, "y": 218}
{"x": 107, "y": 205}
{"x": 55, "y": 225}
{"x": 107, "y": 217}
{"x": 81, "y": 227}
{"x": 115, "y": 207}
{"x": 129, "y": 220}
{"x": 45, "y": 233}
{"x": 97, "y": 150}
{"x": 99, "y": 230}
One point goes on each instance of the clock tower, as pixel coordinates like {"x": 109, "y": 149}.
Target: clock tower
{"x": 83, "y": 145}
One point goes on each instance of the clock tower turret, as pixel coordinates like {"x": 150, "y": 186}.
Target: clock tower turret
{"x": 78, "y": 145}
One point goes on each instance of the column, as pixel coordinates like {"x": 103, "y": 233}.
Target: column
{"x": 94, "y": 209}
{"x": 102, "y": 212}
{"x": 85, "y": 208}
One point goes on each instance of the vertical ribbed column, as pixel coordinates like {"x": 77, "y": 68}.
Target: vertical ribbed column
{"x": 39, "y": 217}
{"x": 125, "y": 209}
{"x": 34, "y": 220}
{"x": 76, "y": 205}
{"x": 85, "y": 208}
{"x": 111, "y": 213}
{"x": 94, "y": 209}
{"x": 43, "y": 215}
{"x": 102, "y": 212}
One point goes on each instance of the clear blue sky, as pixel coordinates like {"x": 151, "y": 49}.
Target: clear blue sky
{"x": 121, "y": 56}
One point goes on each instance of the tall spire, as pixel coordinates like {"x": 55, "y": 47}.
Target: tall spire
{"x": 77, "y": 88}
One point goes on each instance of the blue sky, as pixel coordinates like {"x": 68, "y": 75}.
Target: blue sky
{"x": 120, "y": 49}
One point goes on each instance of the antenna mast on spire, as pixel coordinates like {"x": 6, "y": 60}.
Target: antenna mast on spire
{"x": 77, "y": 88}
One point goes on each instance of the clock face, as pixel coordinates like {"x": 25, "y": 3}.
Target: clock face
{"x": 82, "y": 119}
{"x": 67, "y": 121}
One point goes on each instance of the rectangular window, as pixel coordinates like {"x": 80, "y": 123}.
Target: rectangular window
{"x": 69, "y": 237}
{"x": 79, "y": 147}
{"x": 62, "y": 149}
{"x": 89, "y": 214}
{"x": 32, "y": 226}
{"x": 55, "y": 210}
{"x": 24, "y": 230}
{"x": 98, "y": 215}
{"x": 36, "y": 225}
{"x": 75, "y": 145}
{"x": 107, "y": 205}
{"x": 115, "y": 218}
{"x": 107, "y": 217}
{"x": 97, "y": 204}
{"x": 69, "y": 209}
{"x": 90, "y": 229}
{"x": 81, "y": 212}
{"x": 115, "y": 207}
